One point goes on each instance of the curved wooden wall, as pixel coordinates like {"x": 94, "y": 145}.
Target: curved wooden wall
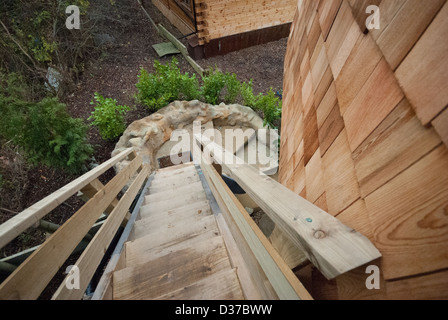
{"x": 365, "y": 135}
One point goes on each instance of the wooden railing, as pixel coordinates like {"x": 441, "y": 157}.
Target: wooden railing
{"x": 331, "y": 246}
{"x": 33, "y": 275}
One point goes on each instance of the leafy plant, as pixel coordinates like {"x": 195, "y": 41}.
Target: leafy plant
{"x": 233, "y": 88}
{"x": 271, "y": 106}
{"x": 108, "y": 117}
{"x": 165, "y": 85}
{"x": 214, "y": 83}
{"x": 43, "y": 129}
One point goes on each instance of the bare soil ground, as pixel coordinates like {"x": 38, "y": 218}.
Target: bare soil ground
{"x": 114, "y": 74}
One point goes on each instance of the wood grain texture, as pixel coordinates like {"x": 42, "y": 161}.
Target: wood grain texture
{"x": 406, "y": 27}
{"x": 340, "y": 180}
{"x": 377, "y": 98}
{"x": 398, "y": 142}
{"x": 327, "y": 13}
{"x": 410, "y": 218}
{"x": 441, "y": 126}
{"x": 428, "y": 90}
{"x": 359, "y": 11}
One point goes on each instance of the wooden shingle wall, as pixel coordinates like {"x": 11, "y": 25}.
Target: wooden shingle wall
{"x": 217, "y": 18}
{"x": 365, "y": 134}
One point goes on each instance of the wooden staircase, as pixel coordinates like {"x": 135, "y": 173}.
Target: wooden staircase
{"x": 175, "y": 249}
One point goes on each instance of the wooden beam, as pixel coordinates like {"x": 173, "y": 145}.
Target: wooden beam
{"x": 33, "y": 275}
{"x": 330, "y": 245}
{"x": 18, "y": 224}
{"x": 285, "y": 283}
{"x": 92, "y": 188}
{"x": 92, "y": 256}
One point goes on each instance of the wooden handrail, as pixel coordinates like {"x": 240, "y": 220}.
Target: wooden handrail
{"x": 285, "y": 284}
{"x": 330, "y": 245}
{"x": 27, "y": 218}
{"x": 33, "y": 275}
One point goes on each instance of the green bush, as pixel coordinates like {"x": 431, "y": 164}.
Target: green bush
{"x": 108, "y": 117}
{"x": 165, "y": 85}
{"x": 271, "y": 106}
{"x": 168, "y": 84}
{"x": 44, "y": 129}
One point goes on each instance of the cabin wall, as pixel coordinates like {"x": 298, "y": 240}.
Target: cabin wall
{"x": 218, "y": 19}
{"x": 365, "y": 134}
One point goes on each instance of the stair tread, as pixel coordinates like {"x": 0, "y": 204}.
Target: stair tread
{"x": 176, "y": 167}
{"x": 175, "y": 171}
{"x": 169, "y": 194}
{"x": 223, "y": 285}
{"x": 160, "y": 179}
{"x": 141, "y": 252}
{"x": 170, "y": 272}
{"x": 167, "y": 234}
{"x": 159, "y": 221}
{"x": 174, "y": 202}
{"x": 197, "y": 205}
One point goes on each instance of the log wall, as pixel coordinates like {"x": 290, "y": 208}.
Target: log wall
{"x": 365, "y": 134}
{"x": 217, "y": 18}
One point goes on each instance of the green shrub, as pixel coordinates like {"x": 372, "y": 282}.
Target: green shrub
{"x": 168, "y": 84}
{"x": 271, "y": 106}
{"x": 44, "y": 129}
{"x": 108, "y": 117}
{"x": 165, "y": 85}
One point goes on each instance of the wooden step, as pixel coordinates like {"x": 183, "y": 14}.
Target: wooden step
{"x": 138, "y": 251}
{"x": 177, "y": 201}
{"x": 198, "y": 206}
{"x": 223, "y": 285}
{"x": 175, "y": 168}
{"x": 174, "y": 177}
{"x": 153, "y": 224}
{"x": 172, "y": 184}
{"x": 177, "y": 232}
{"x": 168, "y": 194}
{"x": 170, "y": 272}
{"x": 175, "y": 171}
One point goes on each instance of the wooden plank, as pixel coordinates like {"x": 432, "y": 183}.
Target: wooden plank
{"x": 223, "y": 285}
{"x": 423, "y": 74}
{"x": 93, "y": 188}
{"x": 286, "y": 285}
{"x": 441, "y": 126}
{"x": 175, "y": 234}
{"x": 377, "y": 98}
{"x": 19, "y": 223}
{"x": 326, "y": 105}
{"x": 286, "y": 249}
{"x": 179, "y": 201}
{"x": 356, "y": 71}
{"x": 200, "y": 205}
{"x": 254, "y": 283}
{"x": 181, "y": 25}
{"x": 331, "y": 246}
{"x": 398, "y": 142}
{"x": 340, "y": 180}
{"x": 91, "y": 257}
{"x": 310, "y": 135}
{"x": 409, "y": 218}
{"x": 357, "y": 217}
{"x": 28, "y": 281}
{"x": 330, "y": 129}
{"x": 405, "y": 29}
{"x": 185, "y": 267}
{"x": 327, "y": 13}
{"x": 388, "y": 10}
{"x": 313, "y": 178}
{"x": 139, "y": 252}
{"x": 342, "y": 38}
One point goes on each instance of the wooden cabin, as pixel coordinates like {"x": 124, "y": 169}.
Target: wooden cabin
{"x": 222, "y": 26}
{"x": 364, "y": 136}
